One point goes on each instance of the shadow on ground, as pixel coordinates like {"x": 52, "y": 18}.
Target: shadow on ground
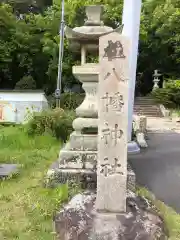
{"x": 158, "y": 167}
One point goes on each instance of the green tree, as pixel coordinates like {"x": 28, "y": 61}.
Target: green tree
{"x": 30, "y": 46}
{"x": 21, "y": 48}
{"x": 27, "y": 82}
{"x": 159, "y": 42}
{"x": 7, "y": 29}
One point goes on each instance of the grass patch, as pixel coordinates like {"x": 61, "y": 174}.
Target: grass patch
{"x": 26, "y": 208}
{"x": 171, "y": 218}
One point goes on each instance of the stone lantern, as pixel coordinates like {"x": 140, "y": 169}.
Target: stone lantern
{"x": 78, "y": 158}
{"x": 156, "y": 79}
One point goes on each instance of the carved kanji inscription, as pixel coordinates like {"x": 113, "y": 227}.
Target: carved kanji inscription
{"x": 114, "y": 50}
{"x": 111, "y": 135}
{"x": 113, "y": 102}
{"x": 110, "y": 169}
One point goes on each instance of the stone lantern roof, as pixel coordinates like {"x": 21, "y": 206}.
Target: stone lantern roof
{"x": 91, "y": 31}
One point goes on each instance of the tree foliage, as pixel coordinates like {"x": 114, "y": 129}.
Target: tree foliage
{"x": 29, "y": 46}
{"x": 27, "y": 82}
{"x": 159, "y": 42}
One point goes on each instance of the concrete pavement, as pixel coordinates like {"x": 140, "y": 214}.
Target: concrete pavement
{"x": 158, "y": 167}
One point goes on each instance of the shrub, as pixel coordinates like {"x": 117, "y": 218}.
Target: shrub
{"x": 56, "y": 122}
{"x": 163, "y": 96}
{"x": 172, "y": 84}
{"x": 27, "y": 82}
{"x": 71, "y": 100}
{"x": 169, "y": 95}
{"x": 52, "y": 101}
{"x": 68, "y": 100}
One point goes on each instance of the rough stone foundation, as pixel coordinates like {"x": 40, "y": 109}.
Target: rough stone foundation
{"x": 79, "y": 220}
{"x": 86, "y": 178}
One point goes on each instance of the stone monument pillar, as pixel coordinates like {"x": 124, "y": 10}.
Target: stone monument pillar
{"x": 113, "y": 123}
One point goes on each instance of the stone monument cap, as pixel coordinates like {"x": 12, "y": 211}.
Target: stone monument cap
{"x": 93, "y": 13}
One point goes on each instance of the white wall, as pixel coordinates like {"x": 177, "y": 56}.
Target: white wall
{"x": 22, "y": 96}
{"x": 16, "y": 106}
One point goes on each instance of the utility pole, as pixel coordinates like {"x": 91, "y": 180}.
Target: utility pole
{"x": 60, "y": 61}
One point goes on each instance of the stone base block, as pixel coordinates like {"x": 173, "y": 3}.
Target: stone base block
{"x": 77, "y": 159}
{"x": 79, "y": 220}
{"x": 82, "y": 142}
{"x": 87, "y": 178}
{"x": 7, "y": 170}
{"x": 71, "y": 157}
{"x": 140, "y": 124}
{"x": 141, "y": 140}
{"x": 133, "y": 148}
{"x": 165, "y": 112}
